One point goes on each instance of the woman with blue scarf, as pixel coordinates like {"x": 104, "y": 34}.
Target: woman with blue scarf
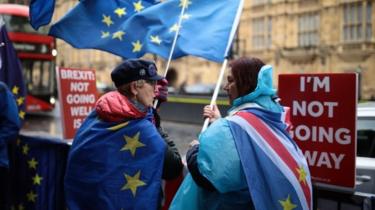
{"x": 246, "y": 160}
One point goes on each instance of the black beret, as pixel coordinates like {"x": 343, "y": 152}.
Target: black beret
{"x": 134, "y": 69}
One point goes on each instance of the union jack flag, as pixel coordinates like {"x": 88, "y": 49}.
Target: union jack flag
{"x": 276, "y": 171}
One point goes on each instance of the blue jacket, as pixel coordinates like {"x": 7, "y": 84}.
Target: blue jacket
{"x": 9, "y": 122}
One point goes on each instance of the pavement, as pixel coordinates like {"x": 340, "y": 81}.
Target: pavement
{"x": 182, "y": 134}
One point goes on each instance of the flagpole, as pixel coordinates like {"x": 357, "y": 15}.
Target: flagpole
{"x": 173, "y": 46}
{"x": 216, "y": 92}
{"x": 221, "y": 75}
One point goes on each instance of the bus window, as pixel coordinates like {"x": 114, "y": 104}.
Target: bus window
{"x": 39, "y": 76}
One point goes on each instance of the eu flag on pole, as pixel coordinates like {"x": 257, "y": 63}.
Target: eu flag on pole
{"x": 131, "y": 29}
{"x": 41, "y": 12}
{"x": 11, "y": 70}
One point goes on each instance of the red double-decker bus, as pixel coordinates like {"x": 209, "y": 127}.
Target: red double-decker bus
{"x": 37, "y": 52}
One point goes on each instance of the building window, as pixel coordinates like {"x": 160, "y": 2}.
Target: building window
{"x": 368, "y": 26}
{"x": 259, "y": 2}
{"x": 262, "y": 33}
{"x": 357, "y": 21}
{"x": 308, "y": 30}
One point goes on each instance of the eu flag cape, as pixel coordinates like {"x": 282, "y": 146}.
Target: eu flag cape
{"x": 249, "y": 150}
{"x": 11, "y": 75}
{"x": 132, "y": 28}
{"x": 11, "y": 70}
{"x": 9, "y": 123}
{"x": 114, "y": 166}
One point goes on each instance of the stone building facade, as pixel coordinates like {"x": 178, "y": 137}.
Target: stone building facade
{"x": 312, "y": 36}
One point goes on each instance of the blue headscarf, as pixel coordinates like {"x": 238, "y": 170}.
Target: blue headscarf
{"x": 263, "y": 93}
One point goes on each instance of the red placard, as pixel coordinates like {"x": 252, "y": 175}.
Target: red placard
{"x": 323, "y": 114}
{"x": 77, "y": 96}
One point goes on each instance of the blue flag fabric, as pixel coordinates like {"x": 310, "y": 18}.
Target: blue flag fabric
{"x": 11, "y": 70}
{"x": 114, "y": 166}
{"x": 269, "y": 158}
{"x": 9, "y": 123}
{"x": 37, "y": 172}
{"x": 41, "y": 12}
{"x": 132, "y": 28}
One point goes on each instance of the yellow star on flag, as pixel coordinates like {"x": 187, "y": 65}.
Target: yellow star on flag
{"x": 105, "y": 34}
{"x": 32, "y": 163}
{"x": 302, "y": 174}
{"x": 132, "y": 143}
{"x": 133, "y": 182}
{"x": 119, "y": 126}
{"x": 20, "y": 100}
{"x": 25, "y": 149}
{"x": 184, "y": 3}
{"x": 118, "y": 35}
{"x": 21, "y": 207}
{"x": 137, "y": 46}
{"x": 107, "y": 20}
{"x": 21, "y": 114}
{"x": 155, "y": 39}
{"x": 186, "y": 16}
{"x": 37, "y": 179}
{"x": 31, "y": 196}
{"x": 15, "y": 90}
{"x": 174, "y": 28}
{"x": 287, "y": 204}
{"x": 120, "y": 12}
{"x": 138, "y": 6}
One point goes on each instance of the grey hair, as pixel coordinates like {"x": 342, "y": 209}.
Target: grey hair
{"x": 140, "y": 83}
{"x": 125, "y": 88}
